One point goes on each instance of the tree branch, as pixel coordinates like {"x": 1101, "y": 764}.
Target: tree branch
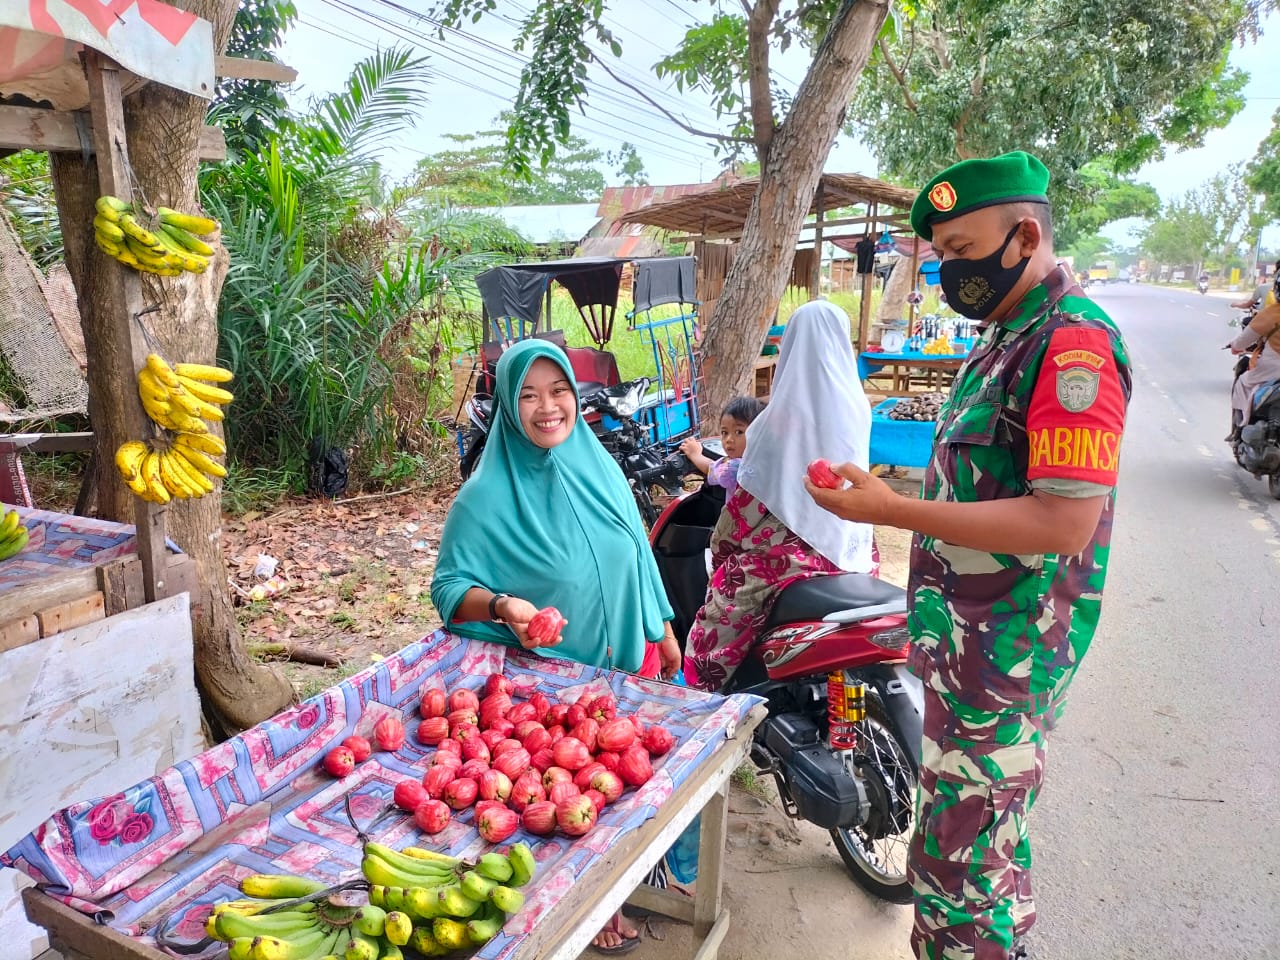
{"x": 683, "y": 125}
{"x": 898, "y": 75}
{"x": 762, "y": 121}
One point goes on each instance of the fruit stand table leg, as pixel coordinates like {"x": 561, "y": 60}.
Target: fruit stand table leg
{"x": 568, "y": 927}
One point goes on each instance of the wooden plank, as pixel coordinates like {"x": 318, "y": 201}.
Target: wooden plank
{"x": 34, "y": 128}
{"x": 238, "y": 68}
{"x": 708, "y": 892}
{"x": 61, "y": 443}
{"x": 121, "y": 584}
{"x": 15, "y": 633}
{"x": 47, "y": 591}
{"x": 124, "y": 289}
{"x": 73, "y": 933}
{"x": 73, "y": 613}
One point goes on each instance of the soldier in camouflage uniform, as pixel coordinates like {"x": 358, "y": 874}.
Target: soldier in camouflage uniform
{"x": 1010, "y": 552}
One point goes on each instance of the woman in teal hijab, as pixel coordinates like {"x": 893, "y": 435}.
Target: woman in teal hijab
{"x": 548, "y": 519}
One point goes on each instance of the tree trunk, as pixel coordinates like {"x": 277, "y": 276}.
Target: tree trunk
{"x": 163, "y": 126}
{"x": 789, "y": 175}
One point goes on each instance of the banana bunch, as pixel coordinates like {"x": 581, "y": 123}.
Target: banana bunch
{"x": 181, "y": 398}
{"x": 437, "y": 904}
{"x": 170, "y": 248}
{"x": 161, "y": 471}
{"x": 13, "y": 535}
{"x": 284, "y": 917}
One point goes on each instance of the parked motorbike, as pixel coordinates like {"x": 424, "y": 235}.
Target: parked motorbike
{"x": 1257, "y": 443}
{"x": 610, "y": 413}
{"x": 842, "y": 738}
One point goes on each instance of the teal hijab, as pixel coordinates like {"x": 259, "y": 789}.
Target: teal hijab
{"x": 556, "y": 527}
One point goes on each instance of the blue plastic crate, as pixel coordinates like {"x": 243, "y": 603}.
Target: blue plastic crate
{"x": 669, "y": 418}
{"x": 900, "y": 443}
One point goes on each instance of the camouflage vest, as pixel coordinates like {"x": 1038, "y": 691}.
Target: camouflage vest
{"x": 999, "y": 631}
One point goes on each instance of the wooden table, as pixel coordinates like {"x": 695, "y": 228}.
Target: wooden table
{"x": 566, "y": 929}
{"x": 932, "y": 371}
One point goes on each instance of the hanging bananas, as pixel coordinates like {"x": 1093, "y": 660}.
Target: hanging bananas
{"x": 13, "y": 535}
{"x": 180, "y": 465}
{"x": 171, "y": 247}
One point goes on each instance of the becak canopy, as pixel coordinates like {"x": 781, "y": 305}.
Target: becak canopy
{"x": 41, "y": 41}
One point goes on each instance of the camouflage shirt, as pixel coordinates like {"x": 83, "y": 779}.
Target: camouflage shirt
{"x": 1038, "y": 404}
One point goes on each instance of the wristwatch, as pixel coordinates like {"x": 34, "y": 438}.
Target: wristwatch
{"x": 493, "y": 607}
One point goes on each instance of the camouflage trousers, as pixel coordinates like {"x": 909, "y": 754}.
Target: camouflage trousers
{"x": 970, "y": 858}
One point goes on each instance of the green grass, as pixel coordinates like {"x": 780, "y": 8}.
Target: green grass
{"x": 247, "y": 489}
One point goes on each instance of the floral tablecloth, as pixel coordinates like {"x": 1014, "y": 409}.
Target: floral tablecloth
{"x": 167, "y": 848}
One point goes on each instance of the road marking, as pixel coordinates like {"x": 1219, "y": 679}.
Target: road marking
{"x": 1204, "y": 451}
{"x": 1260, "y": 523}
{"x": 1182, "y": 419}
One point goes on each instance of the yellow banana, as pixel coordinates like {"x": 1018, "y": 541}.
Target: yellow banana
{"x": 156, "y": 490}
{"x": 200, "y": 226}
{"x": 303, "y": 947}
{"x": 476, "y": 886}
{"x": 173, "y": 481}
{"x": 206, "y": 392}
{"x": 162, "y": 371}
{"x": 397, "y": 927}
{"x": 9, "y": 525}
{"x": 422, "y": 853}
{"x": 149, "y": 385}
{"x": 129, "y": 459}
{"x": 187, "y": 240}
{"x": 126, "y": 257}
{"x": 423, "y": 941}
{"x": 190, "y": 262}
{"x": 205, "y": 443}
{"x": 213, "y": 469}
{"x": 361, "y": 947}
{"x": 145, "y": 256}
{"x": 415, "y": 859}
{"x": 241, "y": 948}
{"x": 136, "y": 231}
{"x": 506, "y": 899}
{"x": 208, "y": 410}
{"x": 450, "y": 933}
{"x": 199, "y": 483}
{"x": 107, "y": 246}
{"x": 108, "y": 229}
{"x": 269, "y": 885}
{"x": 455, "y": 903}
{"x": 202, "y": 371}
{"x": 111, "y": 208}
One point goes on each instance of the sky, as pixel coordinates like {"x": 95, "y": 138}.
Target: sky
{"x": 477, "y": 75}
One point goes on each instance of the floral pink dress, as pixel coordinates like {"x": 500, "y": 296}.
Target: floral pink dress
{"x": 753, "y": 557}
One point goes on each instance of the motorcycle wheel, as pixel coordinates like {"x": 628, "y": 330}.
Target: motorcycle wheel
{"x": 648, "y": 512}
{"x": 1273, "y": 485}
{"x": 877, "y": 858}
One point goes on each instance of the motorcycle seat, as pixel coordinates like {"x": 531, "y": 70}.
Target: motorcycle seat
{"x": 816, "y": 597}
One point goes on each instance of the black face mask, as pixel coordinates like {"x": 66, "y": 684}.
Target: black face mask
{"x": 974, "y": 288}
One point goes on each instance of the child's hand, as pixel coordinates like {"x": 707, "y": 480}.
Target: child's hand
{"x": 691, "y": 447}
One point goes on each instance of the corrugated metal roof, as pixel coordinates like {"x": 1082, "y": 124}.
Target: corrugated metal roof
{"x": 619, "y": 200}
{"x": 546, "y": 223}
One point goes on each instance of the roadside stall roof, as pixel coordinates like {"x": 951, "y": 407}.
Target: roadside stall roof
{"x": 723, "y": 210}
{"x": 41, "y": 41}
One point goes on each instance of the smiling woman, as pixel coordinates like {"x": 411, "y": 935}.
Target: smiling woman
{"x": 548, "y": 404}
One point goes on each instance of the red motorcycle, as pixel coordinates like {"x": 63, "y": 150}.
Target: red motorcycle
{"x": 842, "y": 739}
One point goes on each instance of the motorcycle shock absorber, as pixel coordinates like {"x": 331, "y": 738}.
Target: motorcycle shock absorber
{"x": 846, "y": 707}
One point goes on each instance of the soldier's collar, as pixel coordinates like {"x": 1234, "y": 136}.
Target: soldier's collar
{"x": 1038, "y": 301}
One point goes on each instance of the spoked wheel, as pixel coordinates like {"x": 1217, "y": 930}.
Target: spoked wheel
{"x": 875, "y": 853}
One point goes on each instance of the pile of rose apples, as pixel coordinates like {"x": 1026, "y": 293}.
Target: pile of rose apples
{"x": 531, "y": 763}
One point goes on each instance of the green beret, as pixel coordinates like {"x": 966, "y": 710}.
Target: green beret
{"x": 973, "y": 184}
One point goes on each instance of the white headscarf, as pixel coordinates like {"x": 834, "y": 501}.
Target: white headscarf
{"x": 817, "y": 409}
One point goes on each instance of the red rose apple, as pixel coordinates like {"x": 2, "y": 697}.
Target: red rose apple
{"x": 361, "y": 748}
{"x": 576, "y": 815}
{"x": 340, "y": 761}
{"x": 432, "y": 816}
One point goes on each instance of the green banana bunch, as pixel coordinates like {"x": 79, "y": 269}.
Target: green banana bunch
{"x": 170, "y": 248}
{"x": 392, "y": 868}
{"x": 13, "y": 535}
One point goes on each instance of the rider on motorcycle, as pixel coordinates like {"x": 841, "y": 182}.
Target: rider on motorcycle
{"x": 1264, "y": 330}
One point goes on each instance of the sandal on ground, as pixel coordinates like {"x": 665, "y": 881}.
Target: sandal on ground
{"x": 626, "y": 946}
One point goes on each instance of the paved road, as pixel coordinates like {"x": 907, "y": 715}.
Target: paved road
{"x": 1158, "y": 834}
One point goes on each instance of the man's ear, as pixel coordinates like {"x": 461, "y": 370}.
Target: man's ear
{"x": 1029, "y": 237}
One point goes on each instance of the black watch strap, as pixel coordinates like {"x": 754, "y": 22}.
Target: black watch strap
{"x": 493, "y": 607}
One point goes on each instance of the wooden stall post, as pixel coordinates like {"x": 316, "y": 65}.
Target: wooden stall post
{"x": 864, "y": 307}
{"x": 815, "y": 272}
{"x": 125, "y": 290}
